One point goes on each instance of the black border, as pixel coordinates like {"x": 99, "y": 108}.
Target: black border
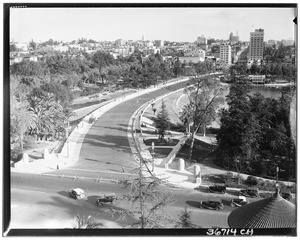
{"x": 6, "y": 129}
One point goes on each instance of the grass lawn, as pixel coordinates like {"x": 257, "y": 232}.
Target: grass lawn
{"x": 161, "y": 152}
{"x": 157, "y": 142}
{"x": 200, "y": 150}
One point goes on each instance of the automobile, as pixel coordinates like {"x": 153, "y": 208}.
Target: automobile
{"x": 250, "y": 192}
{"x": 76, "y": 193}
{"x": 106, "y": 198}
{"x": 286, "y": 194}
{"x": 217, "y": 188}
{"x": 238, "y": 202}
{"x": 212, "y": 204}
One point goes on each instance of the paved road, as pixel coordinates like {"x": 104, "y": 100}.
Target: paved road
{"x": 44, "y": 203}
{"x": 105, "y": 149}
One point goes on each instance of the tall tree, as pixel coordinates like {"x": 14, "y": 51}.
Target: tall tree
{"x": 205, "y": 97}
{"x": 163, "y": 121}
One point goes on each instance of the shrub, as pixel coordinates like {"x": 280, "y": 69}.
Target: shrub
{"x": 92, "y": 120}
{"x": 251, "y": 180}
{"x": 260, "y": 182}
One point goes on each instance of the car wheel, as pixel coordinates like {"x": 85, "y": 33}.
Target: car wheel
{"x": 217, "y": 208}
{"x": 232, "y": 205}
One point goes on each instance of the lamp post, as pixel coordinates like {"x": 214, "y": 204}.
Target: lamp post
{"x": 153, "y": 154}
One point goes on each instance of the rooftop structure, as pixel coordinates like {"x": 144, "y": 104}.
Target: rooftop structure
{"x": 271, "y": 212}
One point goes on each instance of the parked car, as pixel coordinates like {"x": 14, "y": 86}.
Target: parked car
{"x": 286, "y": 194}
{"x": 238, "y": 202}
{"x": 106, "y": 198}
{"x": 212, "y": 204}
{"x": 250, "y": 192}
{"x": 76, "y": 193}
{"x": 217, "y": 188}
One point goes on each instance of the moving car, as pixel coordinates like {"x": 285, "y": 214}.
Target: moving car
{"x": 286, "y": 194}
{"x": 76, "y": 193}
{"x": 238, "y": 202}
{"x": 217, "y": 188}
{"x": 106, "y": 198}
{"x": 212, "y": 204}
{"x": 250, "y": 192}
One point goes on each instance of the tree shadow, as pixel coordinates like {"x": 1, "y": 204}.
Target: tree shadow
{"x": 193, "y": 204}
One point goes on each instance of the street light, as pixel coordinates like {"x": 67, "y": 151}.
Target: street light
{"x": 153, "y": 155}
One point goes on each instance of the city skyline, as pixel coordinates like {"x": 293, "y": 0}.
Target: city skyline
{"x": 171, "y": 24}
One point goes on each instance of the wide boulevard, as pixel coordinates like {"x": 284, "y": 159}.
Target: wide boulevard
{"x": 104, "y": 153}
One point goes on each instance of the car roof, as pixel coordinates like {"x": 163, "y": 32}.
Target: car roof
{"x": 78, "y": 190}
{"x": 220, "y": 184}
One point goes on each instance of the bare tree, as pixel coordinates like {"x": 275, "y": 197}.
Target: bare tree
{"x": 205, "y": 96}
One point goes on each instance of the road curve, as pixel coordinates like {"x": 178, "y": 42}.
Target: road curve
{"x": 105, "y": 149}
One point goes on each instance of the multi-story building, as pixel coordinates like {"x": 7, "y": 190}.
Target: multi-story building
{"x": 233, "y": 39}
{"x": 158, "y": 43}
{"x": 288, "y": 42}
{"x": 225, "y": 53}
{"x": 256, "y": 48}
{"x": 120, "y": 42}
{"x": 202, "y": 40}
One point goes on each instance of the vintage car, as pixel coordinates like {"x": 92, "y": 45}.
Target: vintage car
{"x": 250, "y": 192}
{"x": 286, "y": 194}
{"x": 106, "y": 198}
{"x": 76, "y": 193}
{"x": 215, "y": 204}
{"x": 238, "y": 202}
{"x": 217, "y": 188}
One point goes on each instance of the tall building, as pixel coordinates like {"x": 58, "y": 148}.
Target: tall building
{"x": 233, "y": 39}
{"x": 256, "y": 47}
{"x": 202, "y": 40}
{"x": 225, "y": 53}
{"x": 158, "y": 43}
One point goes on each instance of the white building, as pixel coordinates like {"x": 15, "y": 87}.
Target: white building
{"x": 256, "y": 49}
{"x": 202, "y": 55}
{"x": 257, "y": 79}
{"x": 288, "y": 42}
{"x": 225, "y": 53}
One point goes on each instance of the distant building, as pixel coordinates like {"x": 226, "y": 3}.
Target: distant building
{"x": 270, "y": 43}
{"x": 158, "y": 43}
{"x": 120, "y": 42}
{"x": 256, "y": 45}
{"x": 225, "y": 53}
{"x": 193, "y": 59}
{"x": 288, "y": 42}
{"x": 233, "y": 39}
{"x": 202, "y": 55}
{"x": 202, "y": 42}
{"x": 257, "y": 79}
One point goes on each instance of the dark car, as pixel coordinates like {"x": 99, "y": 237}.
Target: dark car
{"x": 238, "y": 202}
{"x": 212, "y": 204}
{"x": 250, "y": 192}
{"x": 107, "y": 198}
{"x": 286, "y": 194}
{"x": 217, "y": 188}
{"x": 76, "y": 193}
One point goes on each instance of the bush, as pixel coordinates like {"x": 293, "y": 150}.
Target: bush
{"x": 260, "y": 182}
{"x": 92, "y": 120}
{"x": 251, "y": 181}
{"x": 16, "y": 155}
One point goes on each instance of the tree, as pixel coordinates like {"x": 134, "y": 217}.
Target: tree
{"x": 32, "y": 45}
{"x": 205, "y": 98}
{"x": 163, "y": 121}
{"x": 13, "y": 47}
{"x": 185, "y": 219}
{"x": 147, "y": 198}
{"x": 21, "y": 118}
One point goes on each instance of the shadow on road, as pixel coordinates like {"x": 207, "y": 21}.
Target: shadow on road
{"x": 64, "y": 193}
{"x": 193, "y": 204}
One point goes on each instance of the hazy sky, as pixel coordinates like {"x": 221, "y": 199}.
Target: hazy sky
{"x": 174, "y": 24}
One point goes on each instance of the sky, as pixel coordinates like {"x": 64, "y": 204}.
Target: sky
{"x": 171, "y": 24}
